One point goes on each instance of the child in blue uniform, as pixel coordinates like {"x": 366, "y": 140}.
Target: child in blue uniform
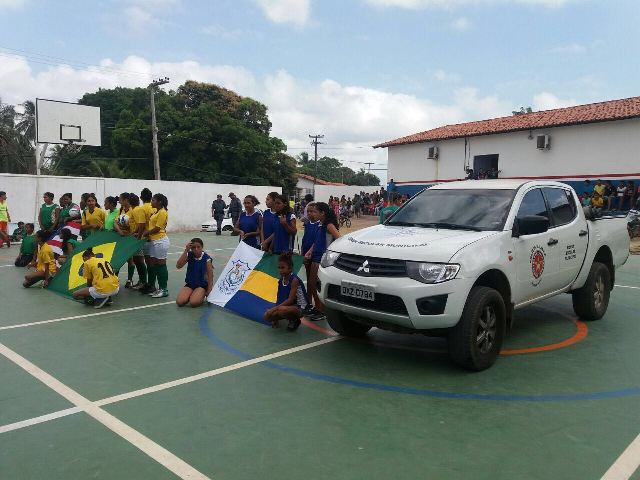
{"x": 268, "y": 222}
{"x": 249, "y": 224}
{"x": 326, "y": 234}
{"x": 285, "y": 226}
{"x": 292, "y": 296}
{"x": 199, "y": 278}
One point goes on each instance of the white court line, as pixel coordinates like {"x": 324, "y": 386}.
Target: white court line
{"x": 626, "y": 464}
{"x": 164, "y": 386}
{"x": 41, "y": 419}
{"x": 626, "y": 286}
{"x": 5, "y": 266}
{"x": 106, "y": 312}
{"x": 160, "y": 454}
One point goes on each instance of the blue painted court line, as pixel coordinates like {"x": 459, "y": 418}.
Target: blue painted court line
{"x": 213, "y": 338}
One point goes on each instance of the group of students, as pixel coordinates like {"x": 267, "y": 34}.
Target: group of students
{"x": 274, "y": 231}
{"x": 144, "y": 217}
{"x": 606, "y": 196}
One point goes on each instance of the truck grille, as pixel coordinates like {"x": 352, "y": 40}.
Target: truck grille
{"x": 374, "y": 267}
{"x": 382, "y": 303}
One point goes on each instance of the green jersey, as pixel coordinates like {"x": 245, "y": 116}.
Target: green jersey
{"x": 46, "y": 215}
{"x": 110, "y": 219}
{"x": 28, "y": 245}
{"x": 387, "y": 212}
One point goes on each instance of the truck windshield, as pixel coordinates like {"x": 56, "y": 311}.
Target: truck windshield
{"x": 456, "y": 209}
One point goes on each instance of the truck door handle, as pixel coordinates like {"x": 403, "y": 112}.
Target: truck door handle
{"x": 552, "y": 241}
{"x": 583, "y": 233}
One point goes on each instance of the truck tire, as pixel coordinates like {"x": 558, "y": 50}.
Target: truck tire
{"x": 474, "y": 343}
{"x": 591, "y": 301}
{"x": 342, "y": 324}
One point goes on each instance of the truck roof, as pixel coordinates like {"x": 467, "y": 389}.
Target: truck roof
{"x": 499, "y": 184}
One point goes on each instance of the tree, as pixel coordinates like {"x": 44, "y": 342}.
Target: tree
{"x": 16, "y": 150}
{"x": 206, "y": 133}
{"x": 332, "y": 170}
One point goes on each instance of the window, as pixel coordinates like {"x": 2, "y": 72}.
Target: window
{"x": 533, "y": 204}
{"x": 563, "y": 208}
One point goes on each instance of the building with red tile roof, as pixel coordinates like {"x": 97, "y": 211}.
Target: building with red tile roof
{"x": 573, "y": 144}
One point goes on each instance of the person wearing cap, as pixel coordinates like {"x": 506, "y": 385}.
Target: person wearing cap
{"x": 235, "y": 208}
{"x": 217, "y": 212}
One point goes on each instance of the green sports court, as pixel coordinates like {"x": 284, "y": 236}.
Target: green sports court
{"x": 145, "y": 390}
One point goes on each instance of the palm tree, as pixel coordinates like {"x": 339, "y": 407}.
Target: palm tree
{"x": 26, "y": 124}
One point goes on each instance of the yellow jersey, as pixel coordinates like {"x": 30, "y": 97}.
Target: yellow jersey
{"x": 597, "y": 202}
{"x": 101, "y": 273}
{"x": 159, "y": 219}
{"x": 95, "y": 219}
{"x": 148, "y": 211}
{"x": 45, "y": 257}
{"x": 138, "y": 215}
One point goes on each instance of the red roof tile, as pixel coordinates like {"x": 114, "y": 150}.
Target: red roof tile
{"x": 591, "y": 113}
{"x": 319, "y": 181}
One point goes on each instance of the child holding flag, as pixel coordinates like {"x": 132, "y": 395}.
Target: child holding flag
{"x": 292, "y": 296}
{"x": 102, "y": 281}
{"x": 44, "y": 262}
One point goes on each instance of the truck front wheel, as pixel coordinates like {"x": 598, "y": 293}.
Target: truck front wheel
{"x": 474, "y": 343}
{"x": 591, "y": 301}
{"x": 342, "y": 324}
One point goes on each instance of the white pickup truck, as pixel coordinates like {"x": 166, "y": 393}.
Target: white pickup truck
{"x": 460, "y": 257}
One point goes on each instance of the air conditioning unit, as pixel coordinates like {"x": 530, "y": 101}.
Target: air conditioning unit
{"x": 432, "y": 153}
{"x": 543, "y": 142}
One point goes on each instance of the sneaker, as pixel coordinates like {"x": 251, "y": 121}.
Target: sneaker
{"x": 129, "y": 284}
{"x": 100, "y": 302}
{"x": 138, "y": 286}
{"x": 88, "y": 301}
{"x": 110, "y": 301}
{"x": 151, "y": 294}
{"x": 146, "y": 290}
{"x": 293, "y": 325}
{"x": 160, "y": 294}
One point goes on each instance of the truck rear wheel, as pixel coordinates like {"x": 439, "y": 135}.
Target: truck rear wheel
{"x": 474, "y": 343}
{"x": 591, "y": 301}
{"x": 342, "y": 324}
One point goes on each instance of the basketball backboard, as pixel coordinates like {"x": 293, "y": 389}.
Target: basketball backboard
{"x": 65, "y": 122}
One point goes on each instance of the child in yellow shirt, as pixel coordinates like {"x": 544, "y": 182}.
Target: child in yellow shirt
{"x": 92, "y": 217}
{"x": 44, "y": 263}
{"x": 102, "y": 280}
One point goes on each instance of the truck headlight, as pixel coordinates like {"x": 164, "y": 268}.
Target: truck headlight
{"x": 329, "y": 258}
{"x": 432, "y": 272}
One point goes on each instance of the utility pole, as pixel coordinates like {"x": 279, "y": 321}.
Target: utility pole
{"x": 154, "y": 128}
{"x": 315, "y": 144}
{"x": 368, "y": 171}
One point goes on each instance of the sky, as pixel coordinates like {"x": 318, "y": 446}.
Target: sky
{"x": 357, "y": 71}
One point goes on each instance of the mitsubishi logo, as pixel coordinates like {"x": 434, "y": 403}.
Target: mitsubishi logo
{"x": 364, "y": 267}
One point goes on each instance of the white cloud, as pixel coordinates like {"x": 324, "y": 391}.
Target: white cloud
{"x": 295, "y": 12}
{"x": 570, "y": 49}
{"x": 446, "y": 77}
{"x": 461, "y": 24}
{"x": 351, "y": 117}
{"x": 141, "y": 15}
{"x": 11, "y": 5}
{"x": 453, "y": 4}
{"x": 548, "y": 101}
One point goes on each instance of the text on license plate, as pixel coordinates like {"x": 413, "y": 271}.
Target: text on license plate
{"x": 355, "y": 290}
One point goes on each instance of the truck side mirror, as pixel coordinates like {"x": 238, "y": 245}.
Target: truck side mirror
{"x": 530, "y": 225}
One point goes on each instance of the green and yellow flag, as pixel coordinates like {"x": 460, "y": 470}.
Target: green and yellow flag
{"x": 108, "y": 245}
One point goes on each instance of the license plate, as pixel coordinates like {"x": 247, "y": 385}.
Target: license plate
{"x": 356, "y": 290}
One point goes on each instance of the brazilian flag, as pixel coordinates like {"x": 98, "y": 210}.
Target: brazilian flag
{"x": 108, "y": 245}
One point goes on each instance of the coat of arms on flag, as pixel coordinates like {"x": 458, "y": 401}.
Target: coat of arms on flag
{"x": 248, "y": 284}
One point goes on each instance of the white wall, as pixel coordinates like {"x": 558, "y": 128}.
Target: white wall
{"x": 189, "y": 202}
{"x": 593, "y": 149}
{"x": 323, "y": 192}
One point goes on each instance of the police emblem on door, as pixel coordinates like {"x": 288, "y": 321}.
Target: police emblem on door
{"x": 537, "y": 259}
